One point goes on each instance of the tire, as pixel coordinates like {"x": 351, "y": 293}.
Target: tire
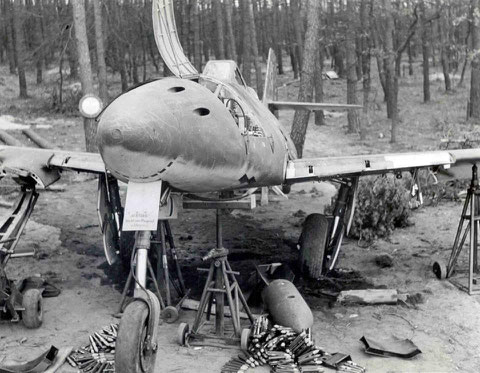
{"x": 32, "y": 315}
{"x": 169, "y": 314}
{"x": 182, "y": 332}
{"x": 313, "y": 242}
{"x": 440, "y": 270}
{"x": 245, "y": 339}
{"x": 130, "y": 356}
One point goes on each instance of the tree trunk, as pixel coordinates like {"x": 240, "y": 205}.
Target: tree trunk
{"x": 475, "y": 77}
{"x": 8, "y": 27}
{"x": 300, "y": 120}
{"x": 277, "y": 36}
{"x": 410, "y": 58}
{"x": 247, "y": 55}
{"x": 298, "y": 28}
{"x": 102, "y": 67}
{"x": 219, "y": 26}
{"x": 17, "y": 16}
{"x": 319, "y": 114}
{"x": 366, "y": 56}
{"x": 100, "y": 48}
{"x": 39, "y": 58}
{"x": 90, "y": 127}
{"x": 425, "y": 53}
{"x": 390, "y": 77}
{"x": 442, "y": 27}
{"x": 232, "y": 51}
{"x": 254, "y": 45}
{"x": 353, "y": 119}
{"x": 197, "y": 53}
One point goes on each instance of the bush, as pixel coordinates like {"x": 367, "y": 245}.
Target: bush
{"x": 384, "y": 202}
{"x": 382, "y": 206}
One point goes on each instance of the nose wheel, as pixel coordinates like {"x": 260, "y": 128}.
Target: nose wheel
{"x": 134, "y": 353}
{"x": 136, "y": 346}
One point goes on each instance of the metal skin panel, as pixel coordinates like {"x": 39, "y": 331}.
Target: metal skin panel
{"x": 178, "y": 131}
{"x": 43, "y": 164}
{"x": 299, "y": 170}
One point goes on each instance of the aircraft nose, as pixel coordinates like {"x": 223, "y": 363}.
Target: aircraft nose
{"x": 136, "y": 134}
{"x": 126, "y": 134}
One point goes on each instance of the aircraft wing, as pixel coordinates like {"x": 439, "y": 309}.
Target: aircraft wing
{"x": 45, "y": 165}
{"x": 313, "y": 106}
{"x": 306, "y": 169}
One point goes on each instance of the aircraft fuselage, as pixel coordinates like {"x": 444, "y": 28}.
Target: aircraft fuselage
{"x": 203, "y": 136}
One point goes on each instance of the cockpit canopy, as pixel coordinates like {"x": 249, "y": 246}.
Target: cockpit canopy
{"x": 224, "y": 70}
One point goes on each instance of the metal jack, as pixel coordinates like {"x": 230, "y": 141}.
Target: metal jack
{"x": 221, "y": 284}
{"x": 469, "y": 283}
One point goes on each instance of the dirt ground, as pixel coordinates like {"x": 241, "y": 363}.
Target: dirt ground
{"x": 443, "y": 322}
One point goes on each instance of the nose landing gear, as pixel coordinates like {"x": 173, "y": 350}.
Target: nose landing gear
{"x": 136, "y": 346}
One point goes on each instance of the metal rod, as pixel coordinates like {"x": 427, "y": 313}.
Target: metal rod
{"x": 142, "y": 244}
{"x": 472, "y": 229}
{"x": 233, "y": 309}
{"x": 219, "y": 229}
{"x": 173, "y": 251}
{"x": 219, "y": 300}
{"x": 165, "y": 263}
{"x": 201, "y": 306}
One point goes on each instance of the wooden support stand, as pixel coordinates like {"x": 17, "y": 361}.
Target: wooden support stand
{"x": 471, "y": 282}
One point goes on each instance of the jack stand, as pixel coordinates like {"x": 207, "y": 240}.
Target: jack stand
{"x": 442, "y": 271}
{"x": 221, "y": 283}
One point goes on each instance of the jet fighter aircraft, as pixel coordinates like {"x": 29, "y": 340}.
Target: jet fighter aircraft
{"x": 195, "y": 133}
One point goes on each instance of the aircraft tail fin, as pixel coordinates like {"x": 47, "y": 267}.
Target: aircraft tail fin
{"x": 270, "y": 88}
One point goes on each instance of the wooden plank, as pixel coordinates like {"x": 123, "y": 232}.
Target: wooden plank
{"x": 9, "y": 139}
{"x": 264, "y": 197}
{"x": 248, "y": 203}
{"x": 369, "y": 296}
{"x": 37, "y": 139}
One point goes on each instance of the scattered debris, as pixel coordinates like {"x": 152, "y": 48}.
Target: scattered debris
{"x": 390, "y": 346}
{"x": 368, "y": 296}
{"x": 39, "y": 364}
{"x": 384, "y": 260}
{"x": 332, "y": 75}
{"x": 300, "y": 213}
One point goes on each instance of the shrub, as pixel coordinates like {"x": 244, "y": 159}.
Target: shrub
{"x": 382, "y": 205}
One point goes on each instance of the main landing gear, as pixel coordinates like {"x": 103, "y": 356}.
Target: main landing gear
{"x": 322, "y": 235}
{"x": 15, "y": 305}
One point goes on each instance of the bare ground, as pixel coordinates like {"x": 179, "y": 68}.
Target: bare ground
{"x": 444, "y": 324}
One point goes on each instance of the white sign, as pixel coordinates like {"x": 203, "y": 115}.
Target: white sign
{"x": 141, "y": 206}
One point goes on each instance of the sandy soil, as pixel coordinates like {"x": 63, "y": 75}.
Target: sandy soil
{"x": 444, "y": 323}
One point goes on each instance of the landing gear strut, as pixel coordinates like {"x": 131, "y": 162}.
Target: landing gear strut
{"x": 322, "y": 235}
{"x": 136, "y": 346}
{"x": 27, "y": 306}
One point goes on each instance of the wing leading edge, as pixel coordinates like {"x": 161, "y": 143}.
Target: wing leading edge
{"x": 305, "y": 169}
{"x": 312, "y": 106}
{"x": 44, "y": 165}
